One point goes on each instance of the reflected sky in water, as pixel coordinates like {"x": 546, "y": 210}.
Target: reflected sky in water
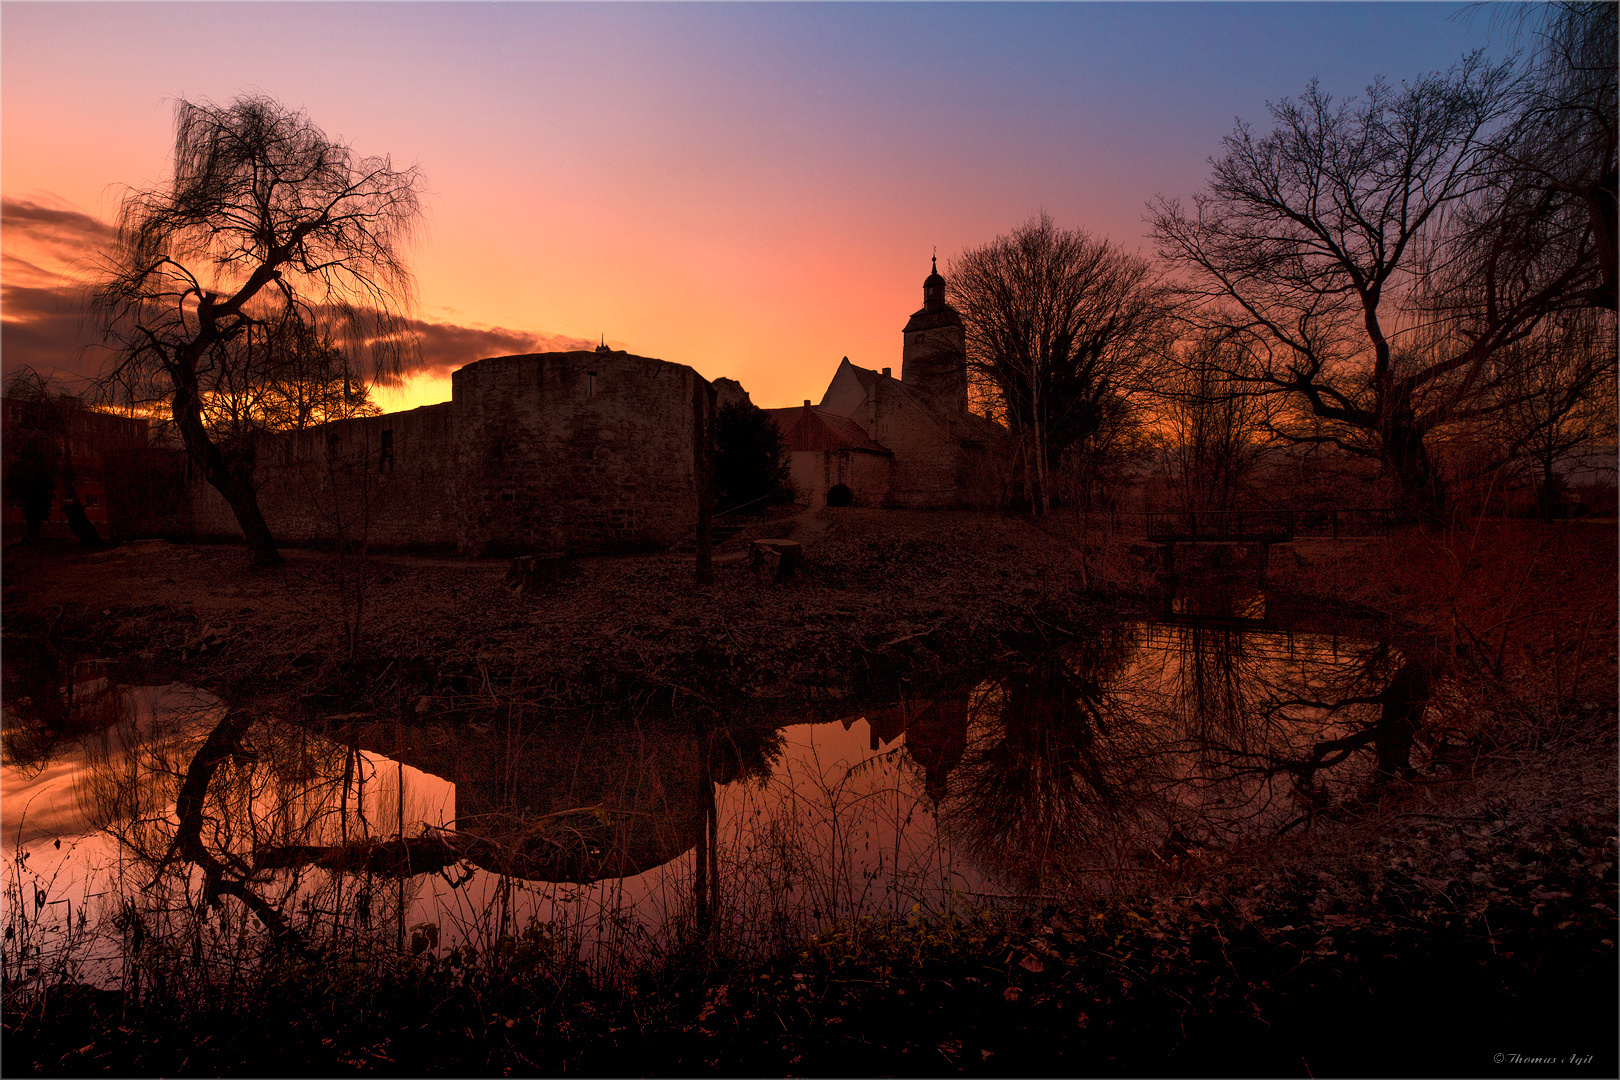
{"x": 1051, "y": 772}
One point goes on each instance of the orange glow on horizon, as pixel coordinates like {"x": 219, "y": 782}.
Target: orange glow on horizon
{"x": 750, "y": 190}
{"x": 424, "y": 388}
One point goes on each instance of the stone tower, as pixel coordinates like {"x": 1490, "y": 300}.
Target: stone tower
{"x": 935, "y": 358}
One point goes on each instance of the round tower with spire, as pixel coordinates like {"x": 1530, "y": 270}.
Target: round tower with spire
{"x": 934, "y": 361}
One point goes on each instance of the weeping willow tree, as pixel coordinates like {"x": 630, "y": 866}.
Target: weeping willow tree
{"x": 268, "y": 229}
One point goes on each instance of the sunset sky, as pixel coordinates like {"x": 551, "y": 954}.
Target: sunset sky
{"x": 753, "y": 189}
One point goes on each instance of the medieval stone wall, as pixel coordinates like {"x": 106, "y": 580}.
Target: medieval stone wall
{"x": 148, "y": 496}
{"x": 927, "y": 470}
{"x": 576, "y": 451}
{"x": 379, "y": 480}
{"x": 548, "y": 452}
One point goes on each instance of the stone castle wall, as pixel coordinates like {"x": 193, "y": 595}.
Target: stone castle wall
{"x": 148, "y": 494}
{"x": 380, "y": 480}
{"x": 925, "y": 471}
{"x": 545, "y": 452}
{"x": 576, "y": 450}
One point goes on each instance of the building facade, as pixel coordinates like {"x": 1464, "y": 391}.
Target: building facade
{"x": 58, "y": 449}
{"x": 909, "y": 442}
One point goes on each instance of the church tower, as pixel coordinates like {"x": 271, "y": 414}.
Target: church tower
{"x": 935, "y": 358}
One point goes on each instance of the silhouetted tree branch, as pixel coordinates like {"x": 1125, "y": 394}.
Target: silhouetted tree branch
{"x": 1329, "y": 245}
{"x": 1213, "y": 435}
{"x": 268, "y": 230}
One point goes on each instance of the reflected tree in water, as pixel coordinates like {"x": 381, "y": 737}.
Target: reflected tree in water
{"x": 197, "y": 797}
{"x": 1151, "y": 739}
{"x": 51, "y": 699}
{"x": 1329, "y": 718}
{"x": 299, "y": 826}
{"x": 1053, "y": 763}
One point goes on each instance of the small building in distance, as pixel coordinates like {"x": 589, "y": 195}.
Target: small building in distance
{"x": 826, "y": 450}
{"x": 909, "y": 442}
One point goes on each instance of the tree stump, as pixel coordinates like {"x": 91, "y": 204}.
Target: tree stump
{"x": 532, "y": 573}
{"x": 786, "y": 554}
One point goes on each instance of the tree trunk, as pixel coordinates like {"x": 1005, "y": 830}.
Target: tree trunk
{"x": 1423, "y": 490}
{"x": 235, "y": 484}
{"x": 1403, "y": 703}
{"x": 1550, "y": 493}
{"x": 703, "y": 412}
{"x": 72, "y": 509}
{"x": 82, "y": 526}
{"x": 243, "y": 500}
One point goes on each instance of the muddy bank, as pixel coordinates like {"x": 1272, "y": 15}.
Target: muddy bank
{"x": 880, "y": 597}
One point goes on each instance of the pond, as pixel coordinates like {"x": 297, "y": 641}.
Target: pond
{"x": 606, "y": 830}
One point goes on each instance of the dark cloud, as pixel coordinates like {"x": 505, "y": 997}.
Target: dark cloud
{"x": 43, "y": 313}
{"x": 69, "y": 235}
{"x": 42, "y": 303}
{"x": 46, "y": 328}
{"x": 446, "y": 346}
{"x": 32, "y": 217}
{"x": 14, "y": 267}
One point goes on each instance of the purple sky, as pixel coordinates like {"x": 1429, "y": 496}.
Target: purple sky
{"x": 753, "y": 190}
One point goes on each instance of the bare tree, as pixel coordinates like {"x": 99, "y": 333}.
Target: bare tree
{"x": 1213, "y": 435}
{"x": 1336, "y": 246}
{"x": 1058, "y": 323}
{"x": 267, "y": 227}
{"x": 1552, "y": 203}
{"x": 1558, "y": 399}
{"x": 289, "y": 378}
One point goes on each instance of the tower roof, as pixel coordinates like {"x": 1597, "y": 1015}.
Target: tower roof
{"x": 935, "y": 311}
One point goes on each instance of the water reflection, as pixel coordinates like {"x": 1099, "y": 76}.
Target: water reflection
{"x": 1058, "y": 769}
{"x": 1054, "y": 761}
{"x": 576, "y": 798}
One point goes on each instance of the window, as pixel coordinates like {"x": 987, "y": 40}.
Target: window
{"x": 590, "y": 384}
{"x": 385, "y": 462}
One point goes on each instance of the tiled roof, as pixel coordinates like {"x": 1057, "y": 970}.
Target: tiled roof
{"x": 811, "y": 429}
{"x": 968, "y": 424}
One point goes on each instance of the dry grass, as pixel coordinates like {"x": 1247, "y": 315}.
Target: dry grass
{"x": 880, "y": 592}
{"x": 1499, "y": 858}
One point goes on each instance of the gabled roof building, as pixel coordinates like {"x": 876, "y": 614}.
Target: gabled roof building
{"x": 908, "y": 442}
